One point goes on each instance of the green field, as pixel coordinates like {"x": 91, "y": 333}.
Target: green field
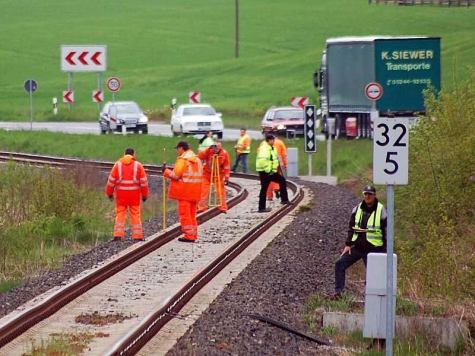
{"x": 165, "y": 49}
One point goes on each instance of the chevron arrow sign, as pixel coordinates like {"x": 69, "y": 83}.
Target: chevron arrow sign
{"x": 68, "y": 96}
{"x": 84, "y": 58}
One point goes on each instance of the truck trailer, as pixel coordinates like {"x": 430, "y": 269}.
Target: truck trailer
{"x": 402, "y": 67}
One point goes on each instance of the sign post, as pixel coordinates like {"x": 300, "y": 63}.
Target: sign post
{"x": 390, "y": 167}
{"x": 310, "y": 134}
{"x": 30, "y": 86}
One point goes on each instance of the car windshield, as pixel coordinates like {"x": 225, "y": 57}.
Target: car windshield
{"x": 203, "y": 110}
{"x": 127, "y": 108}
{"x": 289, "y": 115}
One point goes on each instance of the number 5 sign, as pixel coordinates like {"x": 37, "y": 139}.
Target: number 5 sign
{"x": 391, "y": 151}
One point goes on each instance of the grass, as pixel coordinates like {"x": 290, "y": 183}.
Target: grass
{"x": 167, "y": 49}
{"x": 150, "y": 150}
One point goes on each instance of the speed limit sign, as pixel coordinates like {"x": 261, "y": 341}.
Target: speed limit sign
{"x": 113, "y": 84}
{"x": 391, "y": 151}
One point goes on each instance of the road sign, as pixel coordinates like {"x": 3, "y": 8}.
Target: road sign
{"x": 113, "y": 84}
{"x": 298, "y": 101}
{"x": 83, "y": 58}
{"x": 68, "y": 96}
{"x": 97, "y": 96}
{"x": 373, "y": 91}
{"x": 30, "y": 85}
{"x": 391, "y": 151}
{"x": 195, "y": 97}
{"x": 310, "y": 129}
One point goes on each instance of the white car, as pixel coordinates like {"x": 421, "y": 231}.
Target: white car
{"x": 191, "y": 119}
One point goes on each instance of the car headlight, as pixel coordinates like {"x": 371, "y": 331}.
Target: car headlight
{"x": 143, "y": 119}
{"x": 281, "y": 127}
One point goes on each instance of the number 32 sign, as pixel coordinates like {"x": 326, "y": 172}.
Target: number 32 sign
{"x": 391, "y": 151}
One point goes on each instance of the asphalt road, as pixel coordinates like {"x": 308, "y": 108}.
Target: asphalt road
{"x": 93, "y": 128}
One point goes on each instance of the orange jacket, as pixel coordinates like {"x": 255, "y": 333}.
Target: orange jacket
{"x": 128, "y": 180}
{"x": 185, "y": 178}
{"x": 224, "y": 163}
{"x": 281, "y": 149}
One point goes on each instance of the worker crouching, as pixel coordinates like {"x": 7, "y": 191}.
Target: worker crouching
{"x": 216, "y": 172}
{"x": 185, "y": 186}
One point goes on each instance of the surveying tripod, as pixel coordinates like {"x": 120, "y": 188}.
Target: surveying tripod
{"x": 215, "y": 190}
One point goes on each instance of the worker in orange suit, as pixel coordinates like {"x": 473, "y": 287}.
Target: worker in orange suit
{"x": 279, "y": 146}
{"x": 128, "y": 181}
{"x": 185, "y": 186}
{"x": 216, "y": 171}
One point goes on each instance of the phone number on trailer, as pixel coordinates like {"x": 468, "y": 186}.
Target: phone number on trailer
{"x": 407, "y": 81}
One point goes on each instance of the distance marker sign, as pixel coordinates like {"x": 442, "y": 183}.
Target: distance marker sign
{"x": 391, "y": 151}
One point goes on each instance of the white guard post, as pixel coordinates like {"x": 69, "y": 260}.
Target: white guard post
{"x": 376, "y": 296}
{"x": 113, "y": 117}
{"x": 292, "y": 162}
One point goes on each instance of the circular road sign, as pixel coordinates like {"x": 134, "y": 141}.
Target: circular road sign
{"x": 113, "y": 84}
{"x": 373, "y": 91}
{"x": 30, "y": 85}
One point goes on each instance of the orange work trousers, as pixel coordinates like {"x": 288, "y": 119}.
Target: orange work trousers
{"x": 220, "y": 191}
{"x": 188, "y": 222}
{"x": 270, "y": 191}
{"x": 135, "y": 221}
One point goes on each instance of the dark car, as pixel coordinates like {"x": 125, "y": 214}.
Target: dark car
{"x": 284, "y": 121}
{"x": 119, "y": 115}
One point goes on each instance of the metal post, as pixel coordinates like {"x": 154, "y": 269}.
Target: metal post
{"x": 99, "y": 87}
{"x": 390, "y": 276}
{"x": 31, "y": 106}
{"x": 309, "y": 164}
{"x": 70, "y": 86}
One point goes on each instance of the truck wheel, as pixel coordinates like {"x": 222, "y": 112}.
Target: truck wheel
{"x": 220, "y": 135}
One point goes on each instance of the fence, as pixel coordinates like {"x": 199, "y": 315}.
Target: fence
{"x": 449, "y": 3}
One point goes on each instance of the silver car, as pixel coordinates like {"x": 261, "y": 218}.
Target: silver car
{"x": 191, "y": 119}
{"x": 119, "y": 115}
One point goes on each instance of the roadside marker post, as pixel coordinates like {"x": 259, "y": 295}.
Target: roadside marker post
{"x": 390, "y": 167}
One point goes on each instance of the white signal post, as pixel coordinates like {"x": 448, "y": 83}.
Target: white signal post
{"x": 390, "y": 167}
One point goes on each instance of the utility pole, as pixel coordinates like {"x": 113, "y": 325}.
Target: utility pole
{"x": 236, "y": 2}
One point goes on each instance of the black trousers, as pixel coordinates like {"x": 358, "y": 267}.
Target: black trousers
{"x": 266, "y": 178}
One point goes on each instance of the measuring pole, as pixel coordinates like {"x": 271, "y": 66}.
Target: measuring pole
{"x": 164, "y": 196}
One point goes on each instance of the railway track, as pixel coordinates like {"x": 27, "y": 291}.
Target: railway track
{"x": 222, "y": 239}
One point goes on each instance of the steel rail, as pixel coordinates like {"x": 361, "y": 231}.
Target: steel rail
{"x": 138, "y": 337}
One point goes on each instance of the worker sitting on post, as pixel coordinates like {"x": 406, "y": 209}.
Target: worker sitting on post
{"x": 216, "y": 172}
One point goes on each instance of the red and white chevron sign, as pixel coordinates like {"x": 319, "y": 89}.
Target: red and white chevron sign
{"x": 299, "y": 101}
{"x": 84, "y": 58}
{"x": 97, "y": 96}
{"x": 68, "y": 96}
{"x": 195, "y": 97}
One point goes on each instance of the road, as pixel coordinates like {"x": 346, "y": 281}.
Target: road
{"x": 93, "y": 128}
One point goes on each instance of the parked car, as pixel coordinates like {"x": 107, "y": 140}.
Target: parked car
{"x": 283, "y": 121}
{"x": 196, "y": 119}
{"x": 115, "y": 115}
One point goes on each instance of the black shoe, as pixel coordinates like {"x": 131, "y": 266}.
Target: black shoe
{"x": 266, "y": 210}
{"x": 223, "y": 211}
{"x": 116, "y": 239}
{"x": 286, "y": 202}
{"x": 336, "y": 296}
{"x": 139, "y": 240}
{"x": 277, "y": 194}
{"x": 182, "y": 239}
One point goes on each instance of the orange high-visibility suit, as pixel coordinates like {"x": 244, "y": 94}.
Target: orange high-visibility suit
{"x": 129, "y": 182}
{"x": 217, "y": 175}
{"x": 185, "y": 186}
{"x": 281, "y": 150}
